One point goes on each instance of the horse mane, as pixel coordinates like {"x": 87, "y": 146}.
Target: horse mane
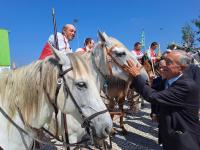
{"x": 117, "y": 43}
{"x": 24, "y": 87}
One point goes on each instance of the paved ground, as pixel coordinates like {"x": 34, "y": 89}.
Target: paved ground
{"x": 142, "y": 132}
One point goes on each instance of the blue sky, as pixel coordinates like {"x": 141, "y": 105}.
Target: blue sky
{"x": 30, "y": 22}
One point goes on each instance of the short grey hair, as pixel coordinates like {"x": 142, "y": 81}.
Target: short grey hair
{"x": 66, "y": 26}
{"x": 184, "y": 59}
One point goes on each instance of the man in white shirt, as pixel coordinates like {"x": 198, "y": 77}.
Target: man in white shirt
{"x": 151, "y": 52}
{"x": 88, "y": 46}
{"x": 137, "y": 51}
{"x": 68, "y": 34}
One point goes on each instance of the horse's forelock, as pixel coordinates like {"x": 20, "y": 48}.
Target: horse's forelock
{"x": 80, "y": 68}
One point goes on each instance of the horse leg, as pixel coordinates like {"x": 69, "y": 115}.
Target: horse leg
{"x": 121, "y": 107}
{"x": 111, "y": 106}
{"x": 134, "y": 101}
{"x": 142, "y": 102}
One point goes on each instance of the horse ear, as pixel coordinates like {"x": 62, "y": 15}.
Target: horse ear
{"x": 59, "y": 55}
{"x": 103, "y": 36}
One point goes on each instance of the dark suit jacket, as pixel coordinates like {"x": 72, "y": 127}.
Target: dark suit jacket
{"x": 157, "y": 84}
{"x": 193, "y": 71}
{"x": 179, "y": 122}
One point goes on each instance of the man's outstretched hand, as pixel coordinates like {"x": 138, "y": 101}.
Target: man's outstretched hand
{"x": 131, "y": 68}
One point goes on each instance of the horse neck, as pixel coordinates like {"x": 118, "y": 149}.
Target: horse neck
{"x": 45, "y": 98}
{"x": 46, "y": 111}
{"x": 100, "y": 56}
{"x": 39, "y": 110}
{"x": 98, "y": 75}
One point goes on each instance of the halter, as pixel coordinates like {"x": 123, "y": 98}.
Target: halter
{"x": 86, "y": 120}
{"x": 105, "y": 77}
{"x": 108, "y": 53}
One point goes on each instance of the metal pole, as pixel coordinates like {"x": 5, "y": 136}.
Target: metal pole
{"x": 55, "y": 29}
{"x": 63, "y": 116}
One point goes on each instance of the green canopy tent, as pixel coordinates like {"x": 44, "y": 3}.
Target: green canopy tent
{"x": 4, "y": 50}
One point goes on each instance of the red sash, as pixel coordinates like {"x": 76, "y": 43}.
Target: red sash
{"x": 46, "y": 51}
{"x": 84, "y": 49}
{"x": 138, "y": 52}
{"x": 153, "y": 54}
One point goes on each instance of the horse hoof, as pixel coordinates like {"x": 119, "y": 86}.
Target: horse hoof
{"x": 124, "y": 131}
{"x": 113, "y": 131}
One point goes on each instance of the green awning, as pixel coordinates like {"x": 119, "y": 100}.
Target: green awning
{"x": 4, "y": 48}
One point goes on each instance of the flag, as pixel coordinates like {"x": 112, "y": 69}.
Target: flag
{"x": 142, "y": 40}
{"x": 159, "y": 53}
{"x": 4, "y": 48}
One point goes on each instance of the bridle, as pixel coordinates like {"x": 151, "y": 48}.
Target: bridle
{"x": 109, "y": 64}
{"x": 86, "y": 120}
{"x": 109, "y": 61}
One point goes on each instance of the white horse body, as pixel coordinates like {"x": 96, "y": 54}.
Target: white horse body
{"x": 28, "y": 93}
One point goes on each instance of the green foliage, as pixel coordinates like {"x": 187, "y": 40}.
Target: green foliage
{"x": 188, "y": 36}
{"x": 196, "y": 22}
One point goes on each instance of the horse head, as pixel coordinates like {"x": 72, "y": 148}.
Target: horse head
{"x": 78, "y": 95}
{"x": 111, "y": 55}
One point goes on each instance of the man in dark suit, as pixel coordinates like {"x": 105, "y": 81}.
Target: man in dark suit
{"x": 178, "y": 101}
{"x": 193, "y": 71}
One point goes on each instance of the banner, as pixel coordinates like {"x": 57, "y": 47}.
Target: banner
{"x": 159, "y": 52}
{"x": 143, "y": 41}
{"x": 4, "y": 48}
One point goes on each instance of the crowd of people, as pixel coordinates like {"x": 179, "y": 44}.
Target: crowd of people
{"x": 174, "y": 93}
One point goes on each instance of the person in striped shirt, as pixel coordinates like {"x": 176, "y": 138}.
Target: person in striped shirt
{"x": 137, "y": 51}
{"x": 88, "y": 46}
{"x": 151, "y": 52}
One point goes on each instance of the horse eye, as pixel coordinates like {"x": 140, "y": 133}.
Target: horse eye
{"x": 81, "y": 85}
{"x": 120, "y": 54}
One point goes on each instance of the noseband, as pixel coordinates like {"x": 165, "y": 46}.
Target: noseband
{"x": 108, "y": 54}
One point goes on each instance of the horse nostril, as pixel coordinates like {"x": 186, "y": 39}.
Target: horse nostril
{"x": 107, "y": 130}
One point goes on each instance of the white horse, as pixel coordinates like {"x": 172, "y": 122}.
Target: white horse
{"x": 28, "y": 97}
{"x": 108, "y": 58}
{"x": 102, "y": 67}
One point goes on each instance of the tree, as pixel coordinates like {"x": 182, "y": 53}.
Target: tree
{"x": 197, "y": 24}
{"x": 188, "y": 36}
